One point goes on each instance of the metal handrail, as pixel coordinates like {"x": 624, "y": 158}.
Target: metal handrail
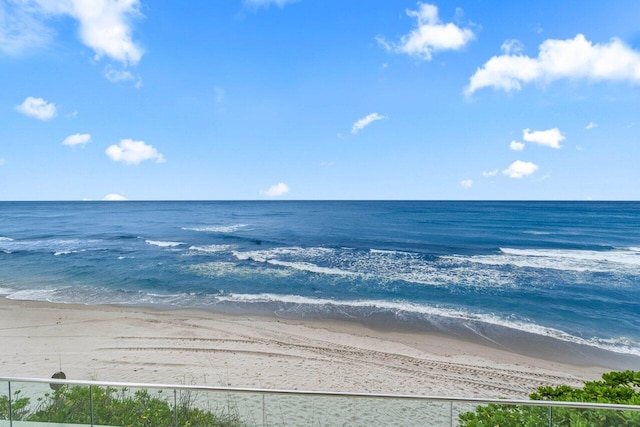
{"x": 476, "y": 400}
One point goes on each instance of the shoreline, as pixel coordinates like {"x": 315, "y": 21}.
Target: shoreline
{"x": 197, "y": 346}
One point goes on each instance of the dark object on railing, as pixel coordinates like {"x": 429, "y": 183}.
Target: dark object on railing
{"x": 57, "y": 376}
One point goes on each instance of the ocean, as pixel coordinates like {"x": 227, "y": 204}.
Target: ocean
{"x": 533, "y": 277}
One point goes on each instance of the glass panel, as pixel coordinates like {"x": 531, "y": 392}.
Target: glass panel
{"x": 281, "y": 410}
{"x": 594, "y": 417}
{"x": 493, "y": 415}
{"x": 132, "y": 406}
{"x": 4, "y": 402}
{"x": 219, "y": 408}
{"x": 50, "y": 403}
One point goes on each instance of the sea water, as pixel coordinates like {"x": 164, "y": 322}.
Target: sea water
{"x": 517, "y": 275}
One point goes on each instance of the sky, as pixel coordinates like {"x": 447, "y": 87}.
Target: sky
{"x": 319, "y": 99}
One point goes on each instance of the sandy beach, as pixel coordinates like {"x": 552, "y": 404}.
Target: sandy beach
{"x": 135, "y": 344}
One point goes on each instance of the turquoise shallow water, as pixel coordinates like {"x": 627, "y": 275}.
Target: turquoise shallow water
{"x": 507, "y": 272}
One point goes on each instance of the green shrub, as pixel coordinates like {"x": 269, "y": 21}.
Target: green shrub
{"x": 112, "y": 406}
{"x": 615, "y": 387}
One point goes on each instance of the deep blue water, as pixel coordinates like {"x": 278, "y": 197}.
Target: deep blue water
{"x": 567, "y": 271}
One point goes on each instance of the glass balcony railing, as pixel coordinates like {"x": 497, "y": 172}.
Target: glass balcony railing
{"x": 47, "y": 402}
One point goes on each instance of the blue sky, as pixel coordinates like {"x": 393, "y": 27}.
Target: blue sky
{"x": 310, "y": 99}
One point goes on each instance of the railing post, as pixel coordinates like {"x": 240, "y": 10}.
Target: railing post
{"x": 550, "y": 416}
{"x": 264, "y": 416}
{"x": 451, "y": 414}
{"x": 10, "y": 409}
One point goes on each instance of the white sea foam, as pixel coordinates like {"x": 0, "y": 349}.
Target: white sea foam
{"x": 231, "y": 269}
{"x": 382, "y": 266}
{"x": 211, "y": 248}
{"x": 312, "y": 268}
{"x": 623, "y": 260}
{"x": 216, "y": 228}
{"x": 537, "y": 233}
{"x": 6, "y": 239}
{"x": 33, "y": 295}
{"x": 164, "y": 244}
{"x": 618, "y": 345}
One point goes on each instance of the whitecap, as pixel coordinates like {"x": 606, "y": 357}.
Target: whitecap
{"x": 216, "y": 228}
{"x": 164, "y": 244}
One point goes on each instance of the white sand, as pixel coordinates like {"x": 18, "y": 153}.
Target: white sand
{"x": 110, "y": 343}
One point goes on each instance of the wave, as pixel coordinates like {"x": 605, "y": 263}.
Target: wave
{"x": 217, "y": 228}
{"x": 618, "y": 345}
{"x": 620, "y": 260}
{"x": 377, "y": 265}
{"x": 211, "y": 248}
{"x": 55, "y": 246}
{"x": 5, "y": 239}
{"x": 164, "y": 244}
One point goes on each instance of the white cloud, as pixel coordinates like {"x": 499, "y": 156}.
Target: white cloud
{"x": 366, "y": 121}
{"x": 133, "y": 152}
{"x": 77, "y": 139}
{"x": 20, "y": 30}
{"x": 37, "y": 108}
{"x": 511, "y": 46}
{"x": 113, "y": 197}
{"x": 548, "y": 138}
{"x": 490, "y": 173}
{"x": 429, "y": 36}
{"x": 276, "y": 190}
{"x": 327, "y": 164}
{"x": 519, "y": 169}
{"x": 591, "y": 125}
{"x": 116, "y": 76}
{"x": 267, "y": 3}
{"x": 516, "y": 146}
{"x": 466, "y": 183}
{"x": 104, "y": 25}
{"x": 576, "y": 58}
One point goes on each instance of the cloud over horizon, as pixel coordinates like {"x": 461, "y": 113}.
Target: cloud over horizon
{"x": 279, "y": 189}
{"x": 114, "y": 197}
{"x": 430, "y": 35}
{"x": 133, "y": 152}
{"x": 37, "y": 108}
{"x": 576, "y": 58}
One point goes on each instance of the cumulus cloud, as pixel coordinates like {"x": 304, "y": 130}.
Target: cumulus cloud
{"x": 576, "y": 58}
{"x": 490, "y": 173}
{"x": 133, "y": 152}
{"x": 520, "y": 169}
{"x": 429, "y": 35}
{"x": 77, "y": 139}
{"x": 466, "y": 183}
{"x": 366, "y": 121}
{"x": 104, "y": 25}
{"x": 113, "y": 197}
{"x": 37, "y": 108}
{"x": 591, "y": 125}
{"x": 516, "y": 146}
{"x": 279, "y": 189}
{"x": 548, "y": 138}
